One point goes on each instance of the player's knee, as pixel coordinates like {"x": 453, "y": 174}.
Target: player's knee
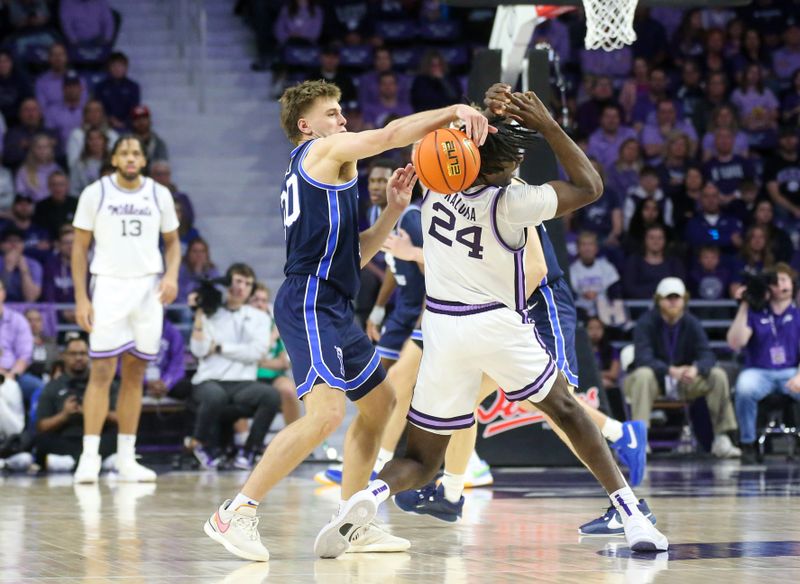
{"x": 328, "y": 421}
{"x": 103, "y": 370}
{"x": 560, "y": 405}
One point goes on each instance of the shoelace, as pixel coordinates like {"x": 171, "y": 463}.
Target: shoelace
{"x": 427, "y": 492}
{"x": 363, "y": 529}
{"x": 247, "y": 524}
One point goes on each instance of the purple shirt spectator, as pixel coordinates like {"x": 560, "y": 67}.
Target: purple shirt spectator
{"x": 368, "y": 87}
{"x": 623, "y": 180}
{"x": 772, "y": 330}
{"x": 741, "y": 145}
{"x": 388, "y": 102}
{"x": 651, "y": 133}
{"x": 188, "y": 281}
{"x": 16, "y": 340}
{"x": 750, "y": 100}
{"x": 710, "y": 284}
{"x": 604, "y": 147}
{"x": 170, "y": 360}
{"x": 39, "y": 191}
{"x": 303, "y": 24}
{"x": 58, "y": 285}
{"x": 728, "y": 175}
{"x": 556, "y": 34}
{"x": 64, "y": 119}
{"x": 50, "y": 89}
{"x": 597, "y": 216}
{"x": 85, "y": 21}
{"x": 785, "y": 61}
{"x": 13, "y": 281}
{"x": 616, "y": 64}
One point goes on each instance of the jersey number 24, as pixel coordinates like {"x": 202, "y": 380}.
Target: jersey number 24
{"x": 441, "y": 226}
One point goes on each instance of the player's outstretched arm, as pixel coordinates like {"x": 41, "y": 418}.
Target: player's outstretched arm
{"x": 586, "y": 186}
{"x": 80, "y": 266}
{"x": 398, "y": 196}
{"x": 349, "y": 147}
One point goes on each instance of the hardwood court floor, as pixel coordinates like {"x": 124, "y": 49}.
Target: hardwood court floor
{"x": 727, "y": 523}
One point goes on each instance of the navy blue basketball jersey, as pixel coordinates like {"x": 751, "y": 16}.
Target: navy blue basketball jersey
{"x": 321, "y": 227}
{"x": 554, "y": 271}
{"x": 410, "y": 279}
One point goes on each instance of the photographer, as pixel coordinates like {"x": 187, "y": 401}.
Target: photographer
{"x": 767, "y": 330}
{"x": 673, "y": 357}
{"x": 229, "y": 341}
{"x": 59, "y": 413}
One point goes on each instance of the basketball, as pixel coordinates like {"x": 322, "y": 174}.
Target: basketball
{"x": 447, "y": 161}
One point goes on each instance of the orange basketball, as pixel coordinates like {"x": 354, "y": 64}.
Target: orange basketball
{"x": 447, "y": 161}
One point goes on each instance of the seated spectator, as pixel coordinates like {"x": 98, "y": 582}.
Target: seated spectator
{"x": 603, "y": 217}
{"x": 782, "y": 175}
{"x": 66, "y": 116}
{"x": 164, "y": 374}
{"x": 50, "y": 85}
{"x": 21, "y": 275}
{"x": 39, "y": 164}
{"x": 770, "y": 341}
{"x": 689, "y": 94}
{"x": 587, "y": 117}
{"x": 751, "y": 52}
{"x": 758, "y": 108}
{"x": 87, "y": 22}
{"x": 786, "y": 60}
{"x": 196, "y": 266}
{"x": 647, "y": 213}
{"x": 616, "y": 64}
{"x": 94, "y": 118}
{"x": 14, "y": 87}
{"x": 36, "y": 240}
{"x": 368, "y": 82}
{"x": 228, "y": 345}
{"x": 118, "y": 93}
{"x": 6, "y": 193}
{"x": 673, "y": 358}
{"x": 724, "y": 117}
{"x": 274, "y": 368}
{"x": 727, "y": 170}
{"x": 605, "y": 142}
{"x": 45, "y": 349}
{"x": 329, "y": 70}
{"x": 433, "y": 86}
{"x": 16, "y": 346}
{"x": 605, "y": 355}
{"x": 299, "y": 21}
{"x": 656, "y": 133}
{"x": 161, "y": 172}
{"x": 18, "y": 139}
{"x": 649, "y": 188}
{"x": 674, "y": 165}
{"x": 712, "y": 226}
{"x": 687, "y": 199}
{"x": 755, "y": 255}
{"x": 651, "y": 37}
{"x": 689, "y": 36}
{"x": 28, "y": 14}
{"x": 59, "y": 413}
{"x": 716, "y": 96}
{"x": 744, "y": 207}
{"x": 624, "y": 174}
{"x": 709, "y": 279}
{"x": 86, "y": 169}
{"x": 594, "y": 280}
{"x": 12, "y": 409}
{"x": 763, "y": 216}
{"x": 635, "y": 86}
{"x": 59, "y": 208}
{"x": 155, "y": 148}
{"x": 388, "y": 103}
{"x": 58, "y": 285}
{"x": 644, "y": 271}
{"x": 790, "y": 106}
{"x": 644, "y": 110}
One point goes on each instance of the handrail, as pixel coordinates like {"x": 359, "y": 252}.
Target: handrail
{"x": 189, "y": 21}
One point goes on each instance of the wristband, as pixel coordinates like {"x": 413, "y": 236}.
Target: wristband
{"x": 377, "y": 314}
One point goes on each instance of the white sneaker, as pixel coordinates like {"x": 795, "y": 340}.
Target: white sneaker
{"x": 59, "y": 463}
{"x": 239, "y": 535}
{"x": 372, "y": 538}
{"x": 130, "y": 471}
{"x": 88, "y": 470}
{"x": 479, "y": 473}
{"x": 334, "y": 539}
{"x": 642, "y": 535}
{"x": 722, "y": 447}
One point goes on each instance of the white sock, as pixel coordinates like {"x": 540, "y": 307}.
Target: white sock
{"x": 453, "y": 486}
{"x": 126, "y": 447}
{"x": 342, "y": 503}
{"x": 243, "y": 505}
{"x": 384, "y": 456}
{"x": 612, "y": 430}
{"x": 625, "y": 502}
{"x": 380, "y": 489}
{"x": 91, "y": 444}
{"x": 239, "y": 439}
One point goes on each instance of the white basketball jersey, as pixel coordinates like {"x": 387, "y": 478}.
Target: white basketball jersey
{"x": 126, "y": 226}
{"x": 474, "y": 245}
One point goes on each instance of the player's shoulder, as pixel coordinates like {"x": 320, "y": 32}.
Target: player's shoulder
{"x": 92, "y": 190}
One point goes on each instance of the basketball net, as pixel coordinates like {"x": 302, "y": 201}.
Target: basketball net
{"x": 609, "y": 23}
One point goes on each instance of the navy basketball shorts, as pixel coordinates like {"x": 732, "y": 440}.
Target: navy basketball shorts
{"x": 324, "y": 343}
{"x": 553, "y": 311}
{"x": 396, "y": 330}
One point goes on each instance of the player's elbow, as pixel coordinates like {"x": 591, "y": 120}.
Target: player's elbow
{"x": 594, "y": 186}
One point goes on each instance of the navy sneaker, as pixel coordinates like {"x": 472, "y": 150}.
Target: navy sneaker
{"x": 610, "y": 523}
{"x": 632, "y": 450}
{"x": 430, "y": 500}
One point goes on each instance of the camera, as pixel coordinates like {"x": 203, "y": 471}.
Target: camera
{"x": 756, "y": 292}
{"x": 209, "y": 298}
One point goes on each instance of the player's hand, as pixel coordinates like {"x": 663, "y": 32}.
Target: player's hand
{"x": 84, "y": 315}
{"x": 476, "y": 125}
{"x": 689, "y": 374}
{"x": 71, "y": 405}
{"x": 156, "y": 389}
{"x": 400, "y": 246}
{"x": 529, "y": 111}
{"x": 373, "y": 331}
{"x": 794, "y": 384}
{"x": 399, "y": 187}
{"x": 167, "y": 290}
{"x": 496, "y": 98}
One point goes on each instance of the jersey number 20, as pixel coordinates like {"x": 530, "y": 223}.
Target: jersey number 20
{"x": 439, "y": 226}
{"x": 290, "y": 201}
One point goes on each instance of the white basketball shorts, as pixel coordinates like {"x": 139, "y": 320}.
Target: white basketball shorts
{"x": 490, "y": 339}
{"x": 128, "y": 317}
